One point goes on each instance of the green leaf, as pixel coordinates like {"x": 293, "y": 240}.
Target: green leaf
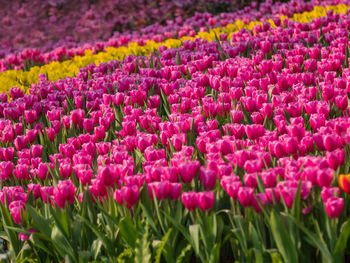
{"x": 258, "y": 251}
{"x": 99, "y": 234}
{"x": 314, "y": 240}
{"x": 149, "y": 218}
{"x": 142, "y": 250}
{"x": 62, "y": 245}
{"x": 151, "y": 64}
{"x": 186, "y": 234}
{"x": 39, "y": 242}
{"x": 125, "y": 256}
{"x": 61, "y": 221}
{"x": 96, "y": 248}
{"x": 215, "y": 253}
{"x": 178, "y": 59}
{"x": 194, "y": 231}
{"x": 162, "y": 245}
{"x": 338, "y": 254}
{"x": 247, "y": 119}
{"x": 41, "y": 224}
{"x": 12, "y": 235}
{"x": 282, "y": 239}
{"x": 185, "y": 254}
{"x": 128, "y": 231}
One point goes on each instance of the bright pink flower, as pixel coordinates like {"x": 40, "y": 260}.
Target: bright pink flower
{"x": 42, "y": 171}
{"x": 175, "y": 190}
{"x": 16, "y": 208}
{"x": 130, "y": 195}
{"x": 35, "y": 189}
{"x": 64, "y": 193}
{"x": 208, "y": 178}
{"x": 6, "y": 170}
{"x": 88, "y": 125}
{"x": 205, "y": 200}
{"x": 21, "y": 172}
{"x": 160, "y": 189}
{"x": 36, "y": 150}
{"x": 328, "y": 192}
{"x": 100, "y": 133}
{"x": 245, "y": 195}
{"x": 47, "y": 193}
{"x": 189, "y": 199}
{"x": 30, "y": 116}
{"x": 334, "y": 206}
{"x": 325, "y": 176}
{"x": 20, "y": 142}
{"x": 65, "y": 170}
{"x": 188, "y": 171}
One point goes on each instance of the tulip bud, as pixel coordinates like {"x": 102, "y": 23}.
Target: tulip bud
{"x": 65, "y": 170}
{"x": 64, "y": 193}
{"x": 30, "y": 116}
{"x": 205, "y": 200}
{"x": 189, "y": 200}
{"x": 42, "y": 171}
{"x": 189, "y": 170}
{"x": 6, "y": 170}
{"x": 334, "y": 207}
{"x": 36, "y": 189}
{"x": 325, "y": 177}
{"x": 36, "y": 150}
{"x": 175, "y": 190}
{"x": 245, "y": 195}
{"x": 88, "y": 125}
{"x": 16, "y": 208}
{"x": 20, "y": 142}
{"x": 130, "y": 195}
{"x": 208, "y": 178}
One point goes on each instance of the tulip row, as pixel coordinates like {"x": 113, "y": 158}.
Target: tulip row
{"x": 236, "y": 147}
{"x": 58, "y": 70}
{"x": 176, "y": 28}
{"x": 47, "y": 25}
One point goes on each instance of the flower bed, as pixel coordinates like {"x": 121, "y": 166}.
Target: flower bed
{"x": 228, "y": 148}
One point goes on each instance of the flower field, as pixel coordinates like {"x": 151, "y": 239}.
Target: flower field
{"x": 219, "y": 138}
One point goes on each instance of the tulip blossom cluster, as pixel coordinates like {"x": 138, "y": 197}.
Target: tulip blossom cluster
{"x": 256, "y": 123}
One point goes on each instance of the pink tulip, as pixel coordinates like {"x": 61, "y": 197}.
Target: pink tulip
{"x": 328, "y": 192}
{"x": 188, "y": 171}
{"x": 6, "y": 170}
{"x": 36, "y": 150}
{"x": 64, "y": 193}
{"x": 130, "y": 195}
{"x": 325, "y": 177}
{"x": 208, "y": 178}
{"x": 245, "y": 195}
{"x": 334, "y": 206}
{"x": 175, "y": 190}
{"x": 35, "y": 189}
{"x": 189, "y": 199}
{"x": 16, "y": 208}
{"x": 65, "y": 170}
{"x": 160, "y": 189}
{"x": 205, "y": 200}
